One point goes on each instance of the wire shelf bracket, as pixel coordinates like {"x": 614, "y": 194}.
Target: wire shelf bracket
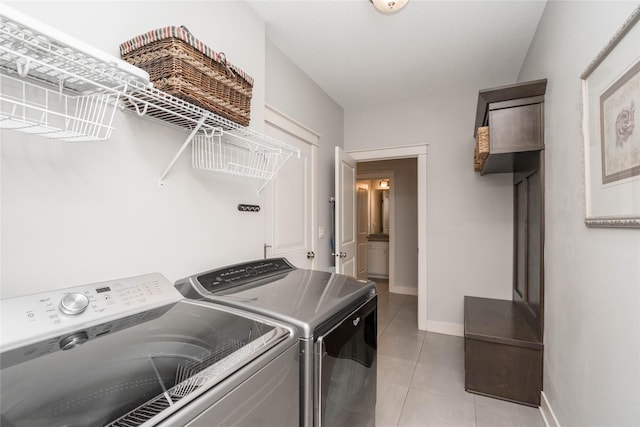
{"x": 181, "y": 150}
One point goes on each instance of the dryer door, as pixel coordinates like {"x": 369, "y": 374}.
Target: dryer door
{"x": 346, "y": 370}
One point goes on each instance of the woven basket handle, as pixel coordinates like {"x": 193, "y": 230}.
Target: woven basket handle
{"x": 223, "y": 60}
{"x": 221, "y": 57}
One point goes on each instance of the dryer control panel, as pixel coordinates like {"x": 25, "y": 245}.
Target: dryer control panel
{"x": 30, "y": 318}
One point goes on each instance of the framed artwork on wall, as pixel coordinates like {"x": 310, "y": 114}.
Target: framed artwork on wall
{"x": 611, "y": 131}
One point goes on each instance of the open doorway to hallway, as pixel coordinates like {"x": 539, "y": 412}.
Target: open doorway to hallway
{"x": 387, "y": 205}
{"x": 420, "y": 153}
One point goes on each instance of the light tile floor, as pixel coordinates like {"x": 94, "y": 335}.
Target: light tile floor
{"x": 421, "y": 376}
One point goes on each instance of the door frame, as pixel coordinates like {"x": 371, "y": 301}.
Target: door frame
{"x": 278, "y": 119}
{"x": 419, "y": 152}
{"x": 366, "y": 186}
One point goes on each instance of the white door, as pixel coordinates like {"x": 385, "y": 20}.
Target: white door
{"x": 346, "y": 239}
{"x": 289, "y": 211}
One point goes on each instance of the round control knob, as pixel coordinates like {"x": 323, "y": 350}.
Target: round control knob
{"x": 74, "y": 303}
{"x": 73, "y": 340}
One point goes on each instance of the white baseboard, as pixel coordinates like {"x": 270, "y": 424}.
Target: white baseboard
{"x": 403, "y": 290}
{"x": 547, "y": 413}
{"x": 447, "y": 328}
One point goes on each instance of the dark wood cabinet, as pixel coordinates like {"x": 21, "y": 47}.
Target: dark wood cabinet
{"x": 515, "y": 117}
{"x": 504, "y": 338}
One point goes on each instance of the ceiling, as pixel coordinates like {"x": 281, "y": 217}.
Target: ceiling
{"x": 361, "y": 57}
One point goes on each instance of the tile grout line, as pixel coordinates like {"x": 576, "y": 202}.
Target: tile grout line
{"x": 404, "y": 401}
{"x": 415, "y": 366}
{"x": 475, "y": 410}
{"x": 392, "y": 318}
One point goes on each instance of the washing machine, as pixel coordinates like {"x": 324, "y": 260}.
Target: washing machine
{"x": 336, "y": 319}
{"x": 134, "y": 352}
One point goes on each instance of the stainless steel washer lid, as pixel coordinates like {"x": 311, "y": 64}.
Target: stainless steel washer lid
{"x": 303, "y": 298}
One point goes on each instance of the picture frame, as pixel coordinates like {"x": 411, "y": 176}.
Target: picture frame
{"x": 611, "y": 130}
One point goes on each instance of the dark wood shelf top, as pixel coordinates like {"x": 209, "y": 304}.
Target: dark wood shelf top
{"x": 499, "y": 321}
{"x": 506, "y": 93}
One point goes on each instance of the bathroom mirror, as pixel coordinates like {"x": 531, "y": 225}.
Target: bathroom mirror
{"x": 379, "y": 211}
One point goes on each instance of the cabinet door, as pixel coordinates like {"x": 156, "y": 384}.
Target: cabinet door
{"x": 515, "y": 128}
{"x": 378, "y": 258}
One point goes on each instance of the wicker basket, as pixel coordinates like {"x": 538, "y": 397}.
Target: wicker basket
{"x": 183, "y": 66}
{"x": 481, "y": 151}
{"x": 477, "y": 163}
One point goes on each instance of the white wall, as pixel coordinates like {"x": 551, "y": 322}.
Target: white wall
{"x": 469, "y": 218}
{"x": 80, "y": 213}
{"x": 592, "y": 276}
{"x": 405, "y": 195}
{"x": 293, "y": 93}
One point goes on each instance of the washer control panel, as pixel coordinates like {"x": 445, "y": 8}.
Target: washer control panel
{"x": 29, "y": 318}
{"x": 240, "y": 274}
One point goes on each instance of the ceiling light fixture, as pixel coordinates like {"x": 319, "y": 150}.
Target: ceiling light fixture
{"x": 389, "y": 6}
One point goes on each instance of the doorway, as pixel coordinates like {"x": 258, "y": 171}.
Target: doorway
{"x": 419, "y": 152}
